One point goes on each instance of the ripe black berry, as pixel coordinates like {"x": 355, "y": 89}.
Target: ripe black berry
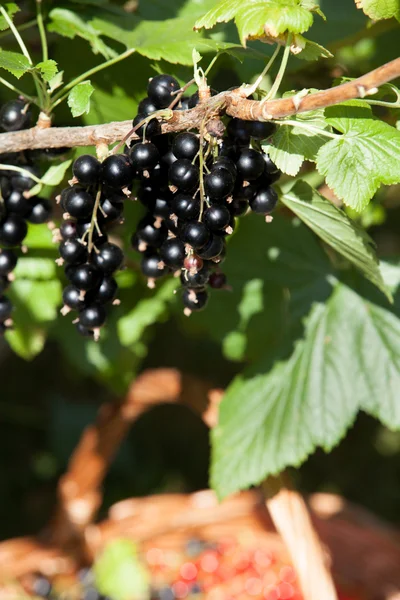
{"x": 194, "y": 299}
{"x": 17, "y": 204}
{"x": 147, "y": 130}
{"x": 15, "y": 115}
{"x": 217, "y": 217}
{"x": 5, "y": 309}
{"x": 195, "y": 279}
{"x": 183, "y": 174}
{"x": 196, "y": 234}
{"x": 105, "y": 293}
{"x": 22, "y": 181}
{"x": 238, "y": 131}
{"x": 84, "y": 331}
{"x": 260, "y": 130}
{"x": 109, "y": 258}
{"x": 217, "y": 280}
{"x": 160, "y": 89}
{"x": 86, "y": 169}
{"x": 186, "y": 145}
{"x": 238, "y": 207}
{"x": 172, "y": 253}
{"x": 71, "y": 298}
{"x": 12, "y": 231}
{"x": 40, "y": 211}
{"x": 117, "y": 171}
{"x": 144, "y": 156}
{"x": 151, "y": 235}
{"x": 219, "y": 184}
{"x": 8, "y": 261}
{"x": 223, "y": 162}
{"x": 270, "y": 166}
{"x": 185, "y": 207}
{"x": 264, "y": 201}
{"x": 68, "y": 229}
{"x": 111, "y": 210}
{"x": 147, "y": 107}
{"x": 92, "y": 316}
{"x": 72, "y": 251}
{"x": 213, "y": 248}
{"x": 150, "y": 266}
{"x": 78, "y": 203}
{"x": 168, "y": 158}
{"x": 85, "y": 277}
{"x": 250, "y": 164}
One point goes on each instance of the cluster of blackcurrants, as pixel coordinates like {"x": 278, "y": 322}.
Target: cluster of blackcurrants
{"x": 92, "y": 205}
{"x": 16, "y": 208}
{"x": 193, "y": 186}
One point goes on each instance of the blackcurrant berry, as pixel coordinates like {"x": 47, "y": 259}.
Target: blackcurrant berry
{"x": 226, "y": 149}
{"x": 186, "y": 145}
{"x": 147, "y": 130}
{"x": 17, "y": 204}
{"x": 260, "y": 130}
{"x": 195, "y": 279}
{"x": 238, "y": 207}
{"x": 219, "y": 184}
{"x": 4, "y": 283}
{"x": 264, "y": 201}
{"x": 86, "y": 169}
{"x": 270, "y": 166}
{"x": 183, "y": 174}
{"x": 172, "y": 253}
{"x": 144, "y": 156}
{"x": 217, "y": 280}
{"x": 193, "y": 263}
{"x": 92, "y": 316}
{"x": 185, "y": 103}
{"x": 84, "y": 331}
{"x": 8, "y": 261}
{"x": 5, "y": 187}
{"x": 223, "y": 162}
{"x": 79, "y": 203}
{"x": 194, "y": 299}
{"x": 68, "y": 229}
{"x": 238, "y": 131}
{"x": 82, "y": 231}
{"x": 117, "y": 171}
{"x": 15, "y": 115}
{"x": 22, "y": 181}
{"x": 195, "y": 234}
{"x": 213, "y": 248}
{"x": 71, "y": 298}
{"x": 147, "y": 107}
{"x": 217, "y": 217}
{"x": 185, "y": 207}
{"x": 151, "y": 235}
{"x": 85, "y": 277}
{"x": 40, "y": 211}
{"x": 111, "y": 210}
{"x": 168, "y": 158}
{"x": 150, "y": 266}
{"x": 109, "y": 258}
{"x": 103, "y": 294}
{"x": 72, "y": 251}
{"x": 5, "y": 309}
{"x": 12, "y": 231}
{"x": 250, "y": 164}
{"x": 160, "y": 90}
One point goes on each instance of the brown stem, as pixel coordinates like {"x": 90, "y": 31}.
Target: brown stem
{"x": 232, "y": 102}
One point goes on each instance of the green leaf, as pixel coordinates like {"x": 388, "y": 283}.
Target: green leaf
{"x": 36, "y": 268}
{"x": 311, "y": 50}
{"x": 120, "y": 574}
{"x": 55, "y": 174}
{"x": 69, "y": 24}
{"x": 223, "y": 12}
{"x": 11, "y": 8}
{"x": 336, "y": 229}
{"x": 365, "y": 156}
{"x": 274, "y": 416}
{"x": 380, "y": 9}
{"x": 39, "y": 236}
{"x": 147, "y": 311}
{"x": 26, "y": 342}
{"x": 56, "y": 81}
{"x": 290, "y": 146}
{"x": 15, "y": 63}
{"x": 48, "y": 69}
{"x": 79, "y": 98}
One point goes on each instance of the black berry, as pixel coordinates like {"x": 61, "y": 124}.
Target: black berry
{"x": 213, "y": 248}
{"x": 186, "y": 145}
{"x": 195, "y": 279}
{"x": 79, "y": 203}
{"x": 260, "y": 130}
{"x": 40, "y": 211}
{"x": 250, "y": 164}
{"x": 183, "y": 174}
{"x": 85, "y": 277}
{"x": 12, "y": 231}
{"x": 71, "y": 298}
{"x": 109, "y": 258}
{"x": 68, "y": 229}
{"x": 117, "y": 171}
{"x": 8, "y": 261}
{"x": 150, "y": 234}
{"x": 22, "y": 181}
{"x": 5, "y": 308}
{"x": 150, "y": 266}
{"x": 172, "y": 253}
{"x": 196, "y": 234}
{"x": 149, "y": 129}
{"x": 238, "y": 131}
{"x": 147, "y": 107}
{"x": 17, "y": 204}
{"x": 92, "y": 316}
{"x": 72, "y": 251}
{"x": 194, "y": 299}
{"x": 105, "y": 293}
{"x": 264, "y": 201}
{"x": 219, "y": 184}
{"x": 160, "y": 90}
{"x": 185, "y": 207}
{"x": 86, "y": 169}
{"x": 15, "y": 115}
{"x": 144, "y": 156}
{"x": 217, "y": 217}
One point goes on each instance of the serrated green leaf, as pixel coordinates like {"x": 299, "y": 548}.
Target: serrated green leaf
{"x": 146, "y": 312}
{"x": 336, "y": 229}
{"x": 311, "y": 50}
{"x": 55, "y": 174}
{"x": 380, "y": 9}
{"x": 364, "y": 157}
{"x": 69, "y": 24}
{"x": 290, "y": 146}
{"x": 79, "y": 98}
{"x": 120, "y": 574}
{"x": 11, "y": 8}
{"x": 223, "y": 12}
{"x": 272, "y": 417}
{"x": 15, "y": 63}
{"x": 48, "y": 69}
{"x": 56, "y": 81}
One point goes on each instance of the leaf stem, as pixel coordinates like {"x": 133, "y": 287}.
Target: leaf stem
{"x": 278, "y": 80}
{"x": 93, "y": 222}
{"x": 201, "y": 174}
{"x": 42, "y": 31}
{"x": 17, "y": 91}
{"x": 63, "y": 93}
{"x": 252, "y": 88}
{"x": 311, "y": 128}
{"x": 19, "y": 39}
